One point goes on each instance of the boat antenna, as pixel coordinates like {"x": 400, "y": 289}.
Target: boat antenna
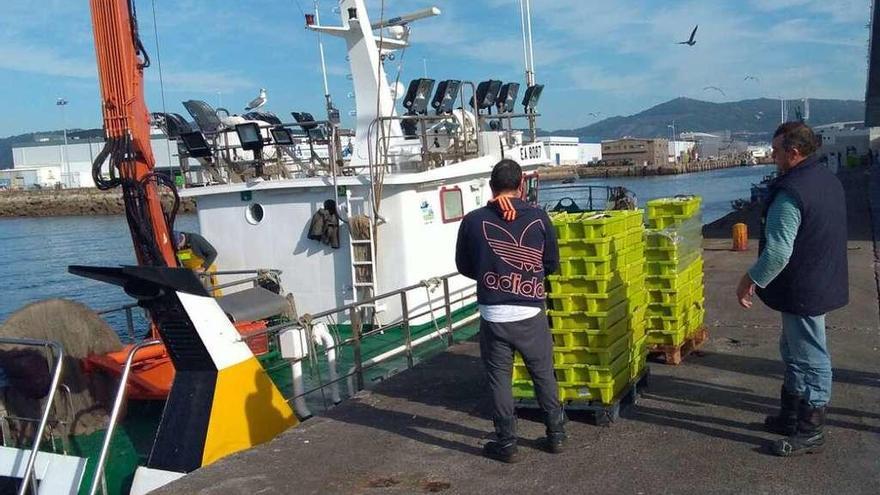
{"x": 528, "y": 52}
{"x": 161, "y": 85}
{"x": 323, "y": 62}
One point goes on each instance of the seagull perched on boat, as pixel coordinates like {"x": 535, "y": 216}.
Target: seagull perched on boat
{"x": 691, "y": 41}
{"x": 715, "y": 88}
{"x": 258, "y": 101}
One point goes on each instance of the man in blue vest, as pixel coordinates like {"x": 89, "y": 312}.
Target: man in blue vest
{"x": 802, "y": 273}
{"x": 508, "y": 246}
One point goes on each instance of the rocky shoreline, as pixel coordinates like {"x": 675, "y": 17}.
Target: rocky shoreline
{"x": 69, "y": 202}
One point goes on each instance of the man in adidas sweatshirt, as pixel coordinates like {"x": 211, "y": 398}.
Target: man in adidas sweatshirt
{"x": 508, "y": 247}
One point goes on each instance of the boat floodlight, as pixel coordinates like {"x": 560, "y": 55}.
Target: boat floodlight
{"x": 305, "y": 120}
{"x": 352, "y": 13}
{"x": 444, "y": 98}
{"x": 249, "y": 136}
{"x": 310, "y": 19}
{"x": 205, "y": 116}
{"x": 507, "y": 97}
{"x": 282, "y": 136}
{"x": 416, "y": 99}
{"x": 487, "y": 93}
{"x": 533, "y": 94}
{"x": 195, "y": 144}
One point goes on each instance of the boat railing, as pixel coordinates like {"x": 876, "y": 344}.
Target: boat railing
{"x": 575, "y": 198}
{"x": 127, "y": 309}
{"x": 29, "y": 478}
{"x": 361, "y": 331}
{"x": 98, "y": 477}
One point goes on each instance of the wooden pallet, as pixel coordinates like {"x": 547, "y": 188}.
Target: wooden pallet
{"x": 674, "y": 354}
{"x": 596, "y": 413}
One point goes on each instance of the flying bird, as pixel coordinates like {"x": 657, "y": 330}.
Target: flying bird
{"x": 258, "y": 101}
{"x": 594, "y": 114}
{"x": 751, "y": 78}
{"x": 691, "y": 41}
{"x": 715, "y": 88}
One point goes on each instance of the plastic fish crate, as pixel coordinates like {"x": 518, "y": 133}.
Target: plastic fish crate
{"x": 635, "y": 237}
{"x": 590, "y": 338}
{"x": 667, "y": 323}
{"x": 591, "y": 225}
{"x": 570, "y": 267}
{"x": 666, "y": 296}
{"x": 638, "y": 299}
{"x": 591, "y": 248}
{"x": 676, "y": 281}
{"x": 601, "y": 392}
{"x": 668, "y": 268}
{"x": 666, "y": 337}
{"x": 667, "y": 222}
{"x": 579, "y": 320}
{"x": 633, "y": 218}
{"x": 677, "y": 310}
{"x": 685, "y": 206}
{"x": 601, "y": 356}
{"x": 587, "y": 302}
{"x": 675, "y": 254}
{"x": 581, "y": 374}
{"x": 584, "y": 284}
{"x": 633, "y": 271}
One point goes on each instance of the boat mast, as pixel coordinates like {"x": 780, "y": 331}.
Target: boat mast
{"x": 525, "y": 13}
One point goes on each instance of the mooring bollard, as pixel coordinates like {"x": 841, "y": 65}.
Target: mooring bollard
{"x": 740, "y": 237}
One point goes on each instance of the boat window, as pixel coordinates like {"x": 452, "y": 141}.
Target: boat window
{"x": 451, "y": 204}
{"x": 254, "y": 213}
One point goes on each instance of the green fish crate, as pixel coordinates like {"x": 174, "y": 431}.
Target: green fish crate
{"x": 685, "y": 206}
{"x": 585, "y": 284}
{"x": 667, "y": 323}
{"x": 592, "y": 248}
{"x": 638, "y": 357}
{"x": 638, "y": 324}
{"x": 666, "y": 337}
{"x": 584, "y": 374}
{"x": 676, "y": 281}
{"x": 633, "y": 218}
{"x": 675, "y": 296}
{"x": 601, "y": 392}
{"x": 591, "y": 225}
{"x": 590, "y": 338}
{"x": 674, "y": 254}
{"x": 679, "y": 309}
{"x": 601, "y": 265}
{"x": 566, "y": 356}
{"x": 672, "y": 267}
{"x": 633, "y": 271}
{"x": 586, "y": 302}
{"x": 580, "y": 320}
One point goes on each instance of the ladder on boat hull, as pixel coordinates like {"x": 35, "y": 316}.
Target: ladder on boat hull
{"x": 362, "y": 250}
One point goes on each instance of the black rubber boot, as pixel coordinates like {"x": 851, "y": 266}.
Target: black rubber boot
{"x": 556, "y": 437}
{"x": 810, "y": 435}
{"x": 503, "y": 448}
{"x": 784, "y": 423}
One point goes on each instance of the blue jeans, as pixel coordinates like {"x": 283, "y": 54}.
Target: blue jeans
{"x": 807, "y": 361}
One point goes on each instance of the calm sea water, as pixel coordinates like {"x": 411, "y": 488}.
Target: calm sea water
{"x": 35, "y": 252}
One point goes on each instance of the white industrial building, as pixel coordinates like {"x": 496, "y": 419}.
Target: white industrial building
{"x": 844, "y": 142}
{"x": 564, "y": 150}
{"x": 680, "y": 151}
{"x": 49, "y": 163}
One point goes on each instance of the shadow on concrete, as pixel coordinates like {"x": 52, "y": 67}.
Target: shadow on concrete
{"x": 411, "y": 426}
{"x": 774, "y": 368}
{"x": 692, "y": 393}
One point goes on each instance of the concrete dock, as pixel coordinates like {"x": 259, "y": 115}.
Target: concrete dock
{"x": 697, "y": 429}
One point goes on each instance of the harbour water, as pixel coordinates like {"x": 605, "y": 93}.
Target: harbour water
{"x": 35, "y": 252}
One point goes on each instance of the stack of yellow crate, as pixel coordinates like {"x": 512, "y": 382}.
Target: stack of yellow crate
{"x": 597, "y": 302}
{"x": 675, "y": 270}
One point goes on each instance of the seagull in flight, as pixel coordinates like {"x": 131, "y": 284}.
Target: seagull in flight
{"x": 751, "y": 78}
{"x": 715, "y": 88}
{"x": 258, "y": 101}
{"x": 691, "y": 41}
{"x": 595, "y": 114}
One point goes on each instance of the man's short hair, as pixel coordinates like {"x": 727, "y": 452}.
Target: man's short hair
{"x": 506, "y": 176}
{"x": 799, "y": 136}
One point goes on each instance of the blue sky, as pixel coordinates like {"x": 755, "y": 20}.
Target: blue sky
{"x": 616, "y": 57}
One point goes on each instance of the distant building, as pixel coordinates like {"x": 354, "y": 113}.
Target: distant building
{"x": 681, "y": 151}
{"x": 636, "y": 151}
{"x": 843, "y": 142}
{"x": 46, "y": 156}
{"x": 711, "y": 146}
{"x": 564, "y": 150}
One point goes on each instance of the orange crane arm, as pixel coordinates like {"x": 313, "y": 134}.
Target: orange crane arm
{"x": 121, "y": 63}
